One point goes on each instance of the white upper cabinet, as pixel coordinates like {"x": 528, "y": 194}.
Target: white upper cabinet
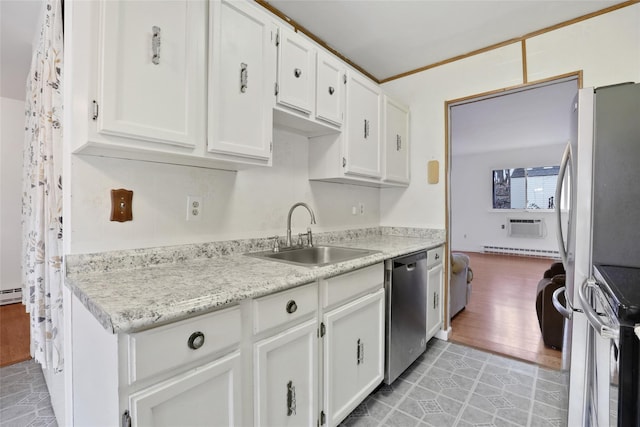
{"x": 151, "y": 71}
{"x": 242, "y": 68}
{"x": 331, "y": 79}
{"x": 296, "y": 71}
{"x": 362, "y": 142}
{"x": 396, "y": 142}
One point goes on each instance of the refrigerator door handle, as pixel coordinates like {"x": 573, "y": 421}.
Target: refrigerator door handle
{"x": 567, "y": 312}
{"x": 604, "y": 330}
{"x": 566, "y": 158}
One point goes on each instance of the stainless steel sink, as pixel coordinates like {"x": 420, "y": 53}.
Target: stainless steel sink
{"x": 316, "y": 256}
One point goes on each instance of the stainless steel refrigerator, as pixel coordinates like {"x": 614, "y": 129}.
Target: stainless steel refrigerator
{"x": 599, "y": 183}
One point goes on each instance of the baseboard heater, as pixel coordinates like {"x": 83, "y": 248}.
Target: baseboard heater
{"x": 10, "y": 296}
{"x": 540, "y": 253}
{"x": 519, "y": 227}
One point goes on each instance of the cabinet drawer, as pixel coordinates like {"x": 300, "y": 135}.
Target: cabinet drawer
{"x": 277, "y": 309}
{"x": 346, "y": 286}
{"x": 166, "y": 347}
{"x": 434, "y": 256}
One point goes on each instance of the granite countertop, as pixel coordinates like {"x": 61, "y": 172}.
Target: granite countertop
{"x": 126, "y": 300}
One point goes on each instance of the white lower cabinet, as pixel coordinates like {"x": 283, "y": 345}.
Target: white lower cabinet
{"x": 205, "y": 396}
{"x": 286, "y": 377}
{"x": 353, "y": 354}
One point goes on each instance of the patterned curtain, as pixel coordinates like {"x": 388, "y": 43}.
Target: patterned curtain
{"x": 42, "y": 193}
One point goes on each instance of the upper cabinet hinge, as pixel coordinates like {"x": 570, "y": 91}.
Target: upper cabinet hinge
{"x": 278, "y": 37}
{"x": 344, "y": 78}
{"x": 276, "y": 88}
{"x": 271, "y": 147}
{"x": 323, "y": 330}
{"x": 94, "y": 117}
{"x": 322, "y": 418}
{"x": 126, "y": 419}
{"x": 344, "y": 162}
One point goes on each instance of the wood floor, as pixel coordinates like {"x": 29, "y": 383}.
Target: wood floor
{"x": 14, "y": 334}
{"x": 501, "y": 315}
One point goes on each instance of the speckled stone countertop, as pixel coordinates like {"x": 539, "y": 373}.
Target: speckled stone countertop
{"x": 129, "y": 291}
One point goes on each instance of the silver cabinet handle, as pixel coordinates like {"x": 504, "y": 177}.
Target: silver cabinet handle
{"x": 359, "y": 352}
{"x": 244, "y": 77}
{"x": 291, "y": 307}
{"x": 398, "y": 142}
{"x": 291, "y": 399}
{"x": 196, "y": 340}
{"x": 331, "y": 90}
{"x": 155, "y": 45}
{"x": 297, "y": 72}
{"x": 366, "y": 128}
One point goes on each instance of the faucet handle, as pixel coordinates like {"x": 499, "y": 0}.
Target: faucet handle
{"x": 276, "y": 243}
{"x": 309, "y": 237}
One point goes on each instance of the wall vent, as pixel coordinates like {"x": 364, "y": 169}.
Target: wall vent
{"x": 526, "y": 227}
{"x": 538, "y": 253}
{"x": 10, "y": 296}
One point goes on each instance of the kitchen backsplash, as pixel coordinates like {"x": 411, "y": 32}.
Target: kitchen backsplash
{"x": 139, "y": 258}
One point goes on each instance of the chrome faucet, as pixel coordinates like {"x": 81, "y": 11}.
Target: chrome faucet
{"x": 313, "y": 221}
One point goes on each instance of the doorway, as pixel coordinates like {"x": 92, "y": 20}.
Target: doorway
{"x": 521, "y": 132}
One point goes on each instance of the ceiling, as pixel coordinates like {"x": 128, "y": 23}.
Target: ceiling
{"x": 390, "y": 37}
{"x": 529, "y": 117}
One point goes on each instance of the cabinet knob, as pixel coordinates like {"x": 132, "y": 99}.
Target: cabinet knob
{"x": 291, "y": 306}
{"x": 297, "y": 72}
{"x": 196, "y": 340}
{"x": 331, "y": 90}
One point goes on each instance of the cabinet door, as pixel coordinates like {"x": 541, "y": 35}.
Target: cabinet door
{"x": 331, "y": 79}
{"x": 296, "y": 71}
{"x": 286, "y": 372}
{"x": 353, "y": 354}
{"x": 363, "y": 127}
{"x": 242, "y": 56}
{"x": 205, "y": 396}
{"x": 434, "y": 304}
{"x": 396, "y": 147}
{"x": 152, "y": 71}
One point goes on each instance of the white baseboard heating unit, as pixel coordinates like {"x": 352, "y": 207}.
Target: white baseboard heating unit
{"x": 10, "y": 296}
{"x": 525, "y": 227}
{"x": 502, "y": 250}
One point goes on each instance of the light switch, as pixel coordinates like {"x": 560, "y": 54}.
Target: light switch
{"x": 121, "y": 200}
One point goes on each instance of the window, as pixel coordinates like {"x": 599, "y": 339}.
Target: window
{"x": 525, "y": 188}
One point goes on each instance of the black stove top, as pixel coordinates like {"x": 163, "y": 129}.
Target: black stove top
{"x": 624, "y": 290}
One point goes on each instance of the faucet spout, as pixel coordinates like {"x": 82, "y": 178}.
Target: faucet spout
{"x": 313, "y": 219}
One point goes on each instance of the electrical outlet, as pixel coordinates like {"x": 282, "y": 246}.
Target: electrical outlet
{"x": 361, "y": 208}
{"x": 194, "y": 208}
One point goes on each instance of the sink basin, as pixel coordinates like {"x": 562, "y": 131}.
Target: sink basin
{"x": 316, "y": 256}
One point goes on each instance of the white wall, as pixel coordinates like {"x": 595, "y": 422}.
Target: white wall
{"x": 606, "y": 48}
{"x": 473, "y": 221}
{"x": 249, "y": 203}
{"x": 11, "y": 142}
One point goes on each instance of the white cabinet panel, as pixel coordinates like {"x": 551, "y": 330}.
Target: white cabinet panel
{"x": 331, "y": 80}
{"x": 205, "y": 396}
{"x": 155, "y": 99}
{"x": 286, "y": 377}
{"x": 242, "y": 67}
{"x": 283, "y": 307}
{"x": 353, "y": 354}
{"x": 434, "y": 303}
{"x": 396, "y": 142}
{"x": 296, "y": 71}
{"x": 362, "y": 144}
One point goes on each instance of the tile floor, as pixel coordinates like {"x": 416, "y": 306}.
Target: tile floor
{"x": 454, "y": 385}
{"x": 24, "y": 398}
{"x": 449, "y": 385}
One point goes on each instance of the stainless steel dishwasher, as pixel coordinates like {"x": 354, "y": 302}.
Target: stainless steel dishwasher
{"x": 406, "y": 322}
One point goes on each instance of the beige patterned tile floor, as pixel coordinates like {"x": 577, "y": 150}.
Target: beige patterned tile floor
{"x": 449, "y": 385}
